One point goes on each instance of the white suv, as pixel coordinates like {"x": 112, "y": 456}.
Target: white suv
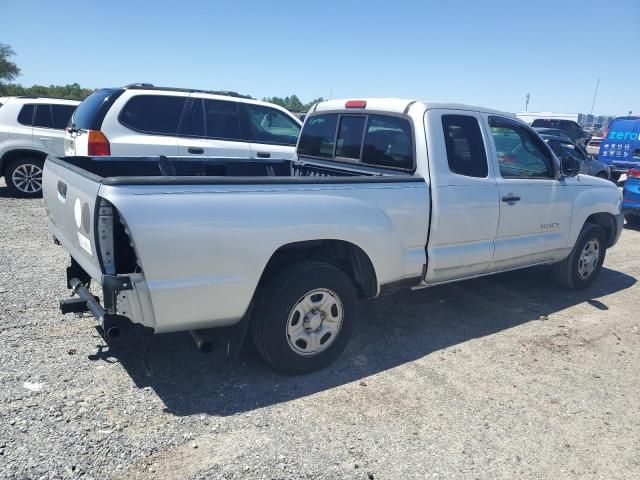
{"x": 144, "y": 120}
{"x": 30, "y": 129}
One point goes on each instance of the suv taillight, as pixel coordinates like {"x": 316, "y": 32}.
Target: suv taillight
{"x": 98, "y": 144}
{"x": 633, "y": 173}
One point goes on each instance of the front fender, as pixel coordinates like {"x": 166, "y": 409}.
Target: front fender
{"x": 601, "y": 196}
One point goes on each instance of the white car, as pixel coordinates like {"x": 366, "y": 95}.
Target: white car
{"x": 30, "y": 129}
{"x": 142, "y": 120}
{"x": 593, "y": 146}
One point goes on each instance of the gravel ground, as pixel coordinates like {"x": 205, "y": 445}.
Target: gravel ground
{"x": 504, "y": 377}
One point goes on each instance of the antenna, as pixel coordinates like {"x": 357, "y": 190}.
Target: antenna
{"x": 526, "y": 103}
{"x": 595, "y": 94}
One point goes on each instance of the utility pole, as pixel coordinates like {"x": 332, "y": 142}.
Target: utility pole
{"x": 526, "y": 103}
{"x": 595, "y": 94}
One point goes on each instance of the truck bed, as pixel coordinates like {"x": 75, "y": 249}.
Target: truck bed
{"x": 200, "y": 232}
{"x": 187, "y": 170}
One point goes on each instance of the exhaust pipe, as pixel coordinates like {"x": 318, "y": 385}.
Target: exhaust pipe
{"x": 204, "y": 343}
{"x": 113, "y": 332}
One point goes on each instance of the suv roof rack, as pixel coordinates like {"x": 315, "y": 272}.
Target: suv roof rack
{"x": 139, "y": 85}
{"x": 149, "y": 86}
{"x": 46, "y": 97}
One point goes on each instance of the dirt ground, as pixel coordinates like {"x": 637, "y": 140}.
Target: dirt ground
{"x": 502, "y": 377}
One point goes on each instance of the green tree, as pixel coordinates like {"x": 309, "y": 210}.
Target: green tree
{"x": 292, "y": 103}
{"x": 8, "y": 70}
{"x": 73, "y": 91}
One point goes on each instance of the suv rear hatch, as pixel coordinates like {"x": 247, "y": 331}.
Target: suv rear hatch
{"x": 86, "y": 123}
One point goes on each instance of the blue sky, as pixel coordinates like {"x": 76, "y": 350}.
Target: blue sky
{"x": 486, "y": 52}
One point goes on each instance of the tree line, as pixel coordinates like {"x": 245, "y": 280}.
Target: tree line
{"x": 9, "y": 71}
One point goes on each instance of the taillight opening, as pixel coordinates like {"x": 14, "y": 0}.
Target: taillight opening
{"x": 98, "y": 145}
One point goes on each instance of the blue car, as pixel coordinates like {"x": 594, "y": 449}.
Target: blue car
{"x": 620, "y": 147}
{"x": 631, "y": 198}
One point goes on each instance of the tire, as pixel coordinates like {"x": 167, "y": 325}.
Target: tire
{"x": 615, "y": 177}
{"x": 281, "y": 305}
{"x": 602, "y": 175}
{"x": 633, "y": 220}
{"x": 574, "y": 272}
{"x": 24, "y": 177}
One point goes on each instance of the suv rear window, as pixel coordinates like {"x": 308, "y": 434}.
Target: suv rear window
{"x": 25, "y": 117}
{"x": 157, "y": 114}
{"x": 43, "y": 116}
{"x": 382, "y": 140}
{"x": 90, "y": 113}
{"x": 62, "y": 115}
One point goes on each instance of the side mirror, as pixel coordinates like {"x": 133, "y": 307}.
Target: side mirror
{"x": 570, "y": 166}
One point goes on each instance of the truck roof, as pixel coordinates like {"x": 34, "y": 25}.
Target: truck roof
{"x": 398, "y": 105}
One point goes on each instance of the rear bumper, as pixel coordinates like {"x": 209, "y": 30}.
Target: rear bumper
{"x": 112, "y": 324}
{"x": 125, "y": 299}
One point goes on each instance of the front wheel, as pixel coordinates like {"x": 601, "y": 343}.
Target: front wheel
{"x": 24, "y": 177}
{"x": 304, "y": 317}
{"x": 581, "y": 268}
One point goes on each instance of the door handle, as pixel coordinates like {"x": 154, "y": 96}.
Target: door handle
{"x": 510, "y": 198}
{"x": 62, "y": 191}
{"x": 263, "y": 155}
{"x": 196, "y": 150}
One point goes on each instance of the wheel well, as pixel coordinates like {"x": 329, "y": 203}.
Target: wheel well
{"x": 346, "y": 256}
{"x": 607, "y": 222}
{"x": 12, "y": 155}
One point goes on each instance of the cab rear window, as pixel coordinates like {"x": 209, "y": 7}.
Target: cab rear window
{"x": 381, "y": 140}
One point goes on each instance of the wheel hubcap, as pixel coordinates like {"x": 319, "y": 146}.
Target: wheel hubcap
{"x": 314, "y": 322}
{"x": 589, "y": 258}
{"x": 27, "y": 178}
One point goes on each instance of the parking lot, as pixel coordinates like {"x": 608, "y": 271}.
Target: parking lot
{"x": 502, "y": 377}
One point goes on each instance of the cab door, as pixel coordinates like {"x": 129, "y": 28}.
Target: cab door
{"x": 465, "y": 210}
{"x": 271, "y": 132}
{"x": 535, "y": 206}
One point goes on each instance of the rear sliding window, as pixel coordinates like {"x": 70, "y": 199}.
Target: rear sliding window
{"x": 155, "y": 114}
{"x": 380, "y": 140}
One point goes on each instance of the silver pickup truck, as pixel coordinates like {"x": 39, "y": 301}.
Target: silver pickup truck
{"x": 384, "y": 194}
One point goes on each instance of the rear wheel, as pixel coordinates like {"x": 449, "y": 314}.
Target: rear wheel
{"x": 602, "y": 175}
{"x": 24, "y": 177}
{"x": 615, "y": 177}
{"x": 304, "y": 317}
{"x": 581, "y": 268}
